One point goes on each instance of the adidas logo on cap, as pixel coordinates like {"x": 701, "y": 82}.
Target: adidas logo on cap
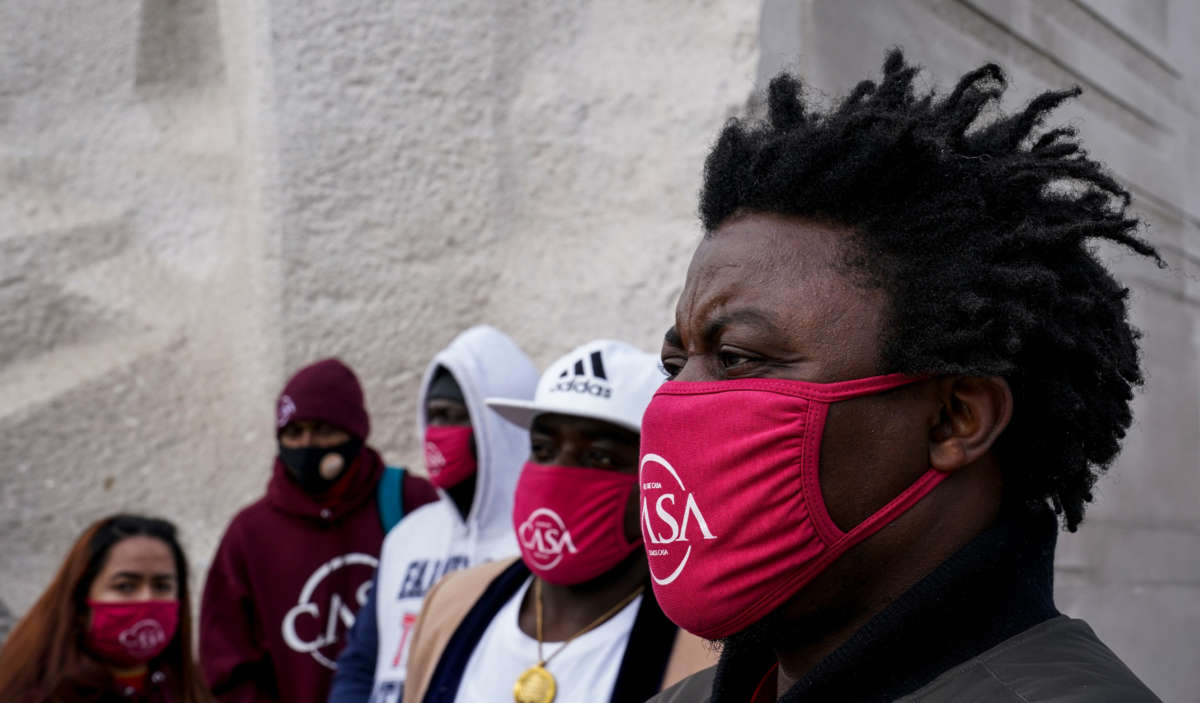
{"x": 603, "y": 379}
{"x": 578, "y": 379}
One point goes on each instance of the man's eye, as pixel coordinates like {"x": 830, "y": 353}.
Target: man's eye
{"x": 124, "y": 587}
{"x": 732, "y": 360}
{"x": 671, "y": 367}
{"x": 601, "y": 460}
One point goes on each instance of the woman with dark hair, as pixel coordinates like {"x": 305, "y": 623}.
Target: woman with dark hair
{"x": 114, "y": 625}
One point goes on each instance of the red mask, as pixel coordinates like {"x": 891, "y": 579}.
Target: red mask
{"x": 131, "y": 633}
{"x": 448, "y": 455}
{"x": 732, "y": 513}
{"x": 570, "y": 521}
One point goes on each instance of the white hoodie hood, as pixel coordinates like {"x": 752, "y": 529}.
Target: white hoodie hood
{"x": 485, "y": 363}
{"x": 434, "y": 539}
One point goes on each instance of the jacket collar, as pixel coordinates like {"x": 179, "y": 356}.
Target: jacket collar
{"x": 998, "y": 585}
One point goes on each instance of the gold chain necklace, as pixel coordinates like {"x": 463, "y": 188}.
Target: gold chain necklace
{"x": 537, "y": 684}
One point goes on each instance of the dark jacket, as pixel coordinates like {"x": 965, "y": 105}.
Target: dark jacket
{"x": 356, "y": 664}
{"x": 288, "y": 578}
{"x": 982, "y": 627}
{"x": 97, "y": 686}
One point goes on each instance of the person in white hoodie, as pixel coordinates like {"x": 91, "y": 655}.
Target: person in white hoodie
{"x": 573, "y": 619}
{"x": 474, "y": 458}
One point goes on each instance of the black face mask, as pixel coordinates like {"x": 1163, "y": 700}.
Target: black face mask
{"x": 304, "y": 463}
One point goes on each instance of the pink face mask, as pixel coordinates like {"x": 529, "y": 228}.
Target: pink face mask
{"x": 732, "y": 513}
{"x": 570, "y": 521}
{"x": 448, "y": 455}
{"x": 131, "y": 633}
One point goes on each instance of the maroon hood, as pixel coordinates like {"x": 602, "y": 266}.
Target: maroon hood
{"x": 329, "y": 391}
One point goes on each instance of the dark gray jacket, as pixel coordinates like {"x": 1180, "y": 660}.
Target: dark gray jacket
{"x": 1057, "y": 661}
{"x": 981, "y": 627}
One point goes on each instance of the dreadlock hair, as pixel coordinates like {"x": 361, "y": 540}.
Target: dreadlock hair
{"x": 979, "y": 233}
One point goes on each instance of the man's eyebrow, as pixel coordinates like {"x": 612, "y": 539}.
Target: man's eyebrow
{"x": 744, "y": 316}
{"x": 606, "y": 435}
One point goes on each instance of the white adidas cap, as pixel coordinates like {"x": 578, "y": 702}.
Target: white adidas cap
{"x": 605, "y": 380}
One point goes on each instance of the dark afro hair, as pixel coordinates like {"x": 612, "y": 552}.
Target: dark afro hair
{"x": 979, "y": 232}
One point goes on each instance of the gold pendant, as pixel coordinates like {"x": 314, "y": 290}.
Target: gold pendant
{"x": 536, "y": 685}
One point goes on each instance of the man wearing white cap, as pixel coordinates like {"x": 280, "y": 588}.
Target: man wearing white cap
{"x": 572, "y": 619}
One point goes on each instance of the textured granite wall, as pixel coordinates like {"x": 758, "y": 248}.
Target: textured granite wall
{"x": 139, "y": 349}
{"x": 201, "y": 196}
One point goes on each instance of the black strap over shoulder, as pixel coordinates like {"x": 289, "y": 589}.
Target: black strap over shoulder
{"x": 443, "y": 686}
{"x": 642, "y": 667}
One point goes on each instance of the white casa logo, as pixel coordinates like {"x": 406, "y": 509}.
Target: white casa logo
{"x": 143, "y": 638}
{"x": 546, "y": 537}
{"x": 306, "y": 613}
{"x": 287, "y": 408}
{"x": 663, "y": 547}
{"x": 434, "y": 460}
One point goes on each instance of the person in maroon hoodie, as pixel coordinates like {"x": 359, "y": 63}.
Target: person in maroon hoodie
{"x": 294, "y": 567}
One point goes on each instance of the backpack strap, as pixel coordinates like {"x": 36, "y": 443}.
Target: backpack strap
{"x": 390, "y": 497}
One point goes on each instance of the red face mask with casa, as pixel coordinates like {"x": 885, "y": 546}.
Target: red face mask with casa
{"x": 448, "y": 455}
{"x": 131, "y": 633}
{"x": 732, "y": 512}
{"x": 570, "y": 521}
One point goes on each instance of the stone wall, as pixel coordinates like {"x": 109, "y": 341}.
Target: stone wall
{"x": 201, "y": 196}
{"x": 139, "y": 350}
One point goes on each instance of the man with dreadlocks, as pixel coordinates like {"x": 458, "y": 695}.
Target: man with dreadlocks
{"x": 894, "y": 320}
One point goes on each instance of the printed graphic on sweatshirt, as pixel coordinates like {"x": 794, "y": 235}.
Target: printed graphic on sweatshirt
{"x": 586, "y": 376}
{"x": 421, "y": 574}
{"x": 318, "y": 623}
{"x": 392, "y": 690}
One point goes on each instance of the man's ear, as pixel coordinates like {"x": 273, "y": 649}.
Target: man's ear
{"x": 973, "y": 411}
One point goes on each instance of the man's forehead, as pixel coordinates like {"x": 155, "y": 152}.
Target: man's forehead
{"x": 756, "y": 249}
{"x": 303, "y": 424}
{"x": 716, "y": 319}
{"x": 725, "y": 282}
{"x": 589, "y": 427}
{"x": 783, "y": 276}
{"x": 770, "y": 297}
{"x": 443, "y": 402}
